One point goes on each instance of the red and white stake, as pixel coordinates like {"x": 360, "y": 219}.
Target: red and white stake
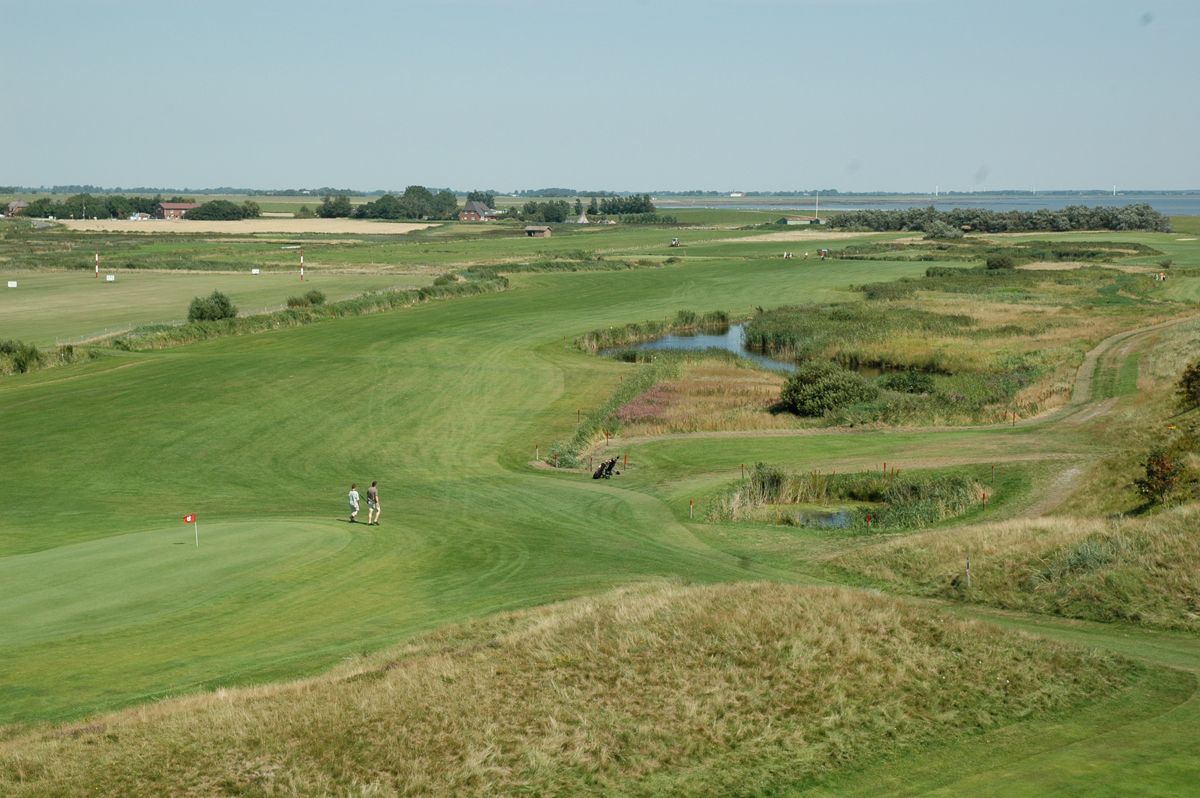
{"x": 97, "y": 264}
{"x": 301, "y": 264}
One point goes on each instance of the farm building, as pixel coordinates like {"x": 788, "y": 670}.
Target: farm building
{"x": 174, "y": 210}
{"x": 800, "y": 220}
{"x": 476, "y": 211}
{"x": 17, "y": 207}
{"x": 535, "y": 231}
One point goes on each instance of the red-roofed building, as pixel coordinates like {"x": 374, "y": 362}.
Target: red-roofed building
{"x": 174, "y": 210}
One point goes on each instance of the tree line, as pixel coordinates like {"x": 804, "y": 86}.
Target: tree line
{"x": 1074, "y": 217}
{"x": 86, "y": 206}
{"x": 417, "y": 202}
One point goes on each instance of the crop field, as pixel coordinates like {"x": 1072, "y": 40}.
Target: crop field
{"x": 129, "y": 650}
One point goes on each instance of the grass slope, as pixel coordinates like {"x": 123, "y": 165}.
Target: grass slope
{"x": 727, "y": 690}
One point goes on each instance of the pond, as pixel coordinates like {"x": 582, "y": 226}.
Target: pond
{"x": 733, "y": 340}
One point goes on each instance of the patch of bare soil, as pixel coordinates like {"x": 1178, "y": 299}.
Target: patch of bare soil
{"x": 1053, "y": 266}
{"x": 245, "y": 226}
{"x": 800, "y": 235}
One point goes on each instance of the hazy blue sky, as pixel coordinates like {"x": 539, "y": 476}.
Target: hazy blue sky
{"x": 612, "y": 94}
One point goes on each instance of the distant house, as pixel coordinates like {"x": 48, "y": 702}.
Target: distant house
{"x": 537, "y": 231}
{"x": 800, "y": 220}
{"x": 174, "y": 210}
{"x": 138, "y": 217}
{"x": 476, "y": 211}
{"x": 17, "y": 207}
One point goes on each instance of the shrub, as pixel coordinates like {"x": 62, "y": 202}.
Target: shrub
{"x": 1165, "y": 263}
{"x": 1163, "y": 474}
{"x": 939, "y": 229}
{"x": 214, "y": 307}
{"x": 1188, "y": 387}
{"x": 898, "y": 289}
{"x": 1001, "y": 262}
{"x": 315, "y": 297}
{"x": 820, "y": 387}
{"x": 908, "y": 382}
{"x": 23, "y": 356}
{"x": 298, "y": 302}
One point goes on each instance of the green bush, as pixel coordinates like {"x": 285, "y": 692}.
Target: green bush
{"x": 1001, "y": 262}
{"x": 23, "y": 356}
{"x": 298, "y": 302}
{"x": 214, "y": 307}
{"x": 908, "y": 382}
{"x": 820, "y": 387}
{"x": 315, "y": 297}
{"x": 938, "y": 229}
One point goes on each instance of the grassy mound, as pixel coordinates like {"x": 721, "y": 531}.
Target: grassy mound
{"x": 660, "y": 689}
{"x": 1141, "y": 570}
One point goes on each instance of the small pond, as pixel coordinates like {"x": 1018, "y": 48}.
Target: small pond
{"x": 732, "y": 340}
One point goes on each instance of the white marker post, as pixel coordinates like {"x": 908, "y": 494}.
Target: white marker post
{"x": 301, "y": 264}
{"x": 97, "y": 264}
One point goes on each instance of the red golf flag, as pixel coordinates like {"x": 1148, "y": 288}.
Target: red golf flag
{"x": 190, "y": 518}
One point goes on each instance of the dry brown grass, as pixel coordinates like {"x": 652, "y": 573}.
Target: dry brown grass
{"x": 654, "y": 690}
{"x": 1139, "y": 570}
{"x": 246, "y": 226}
{"x": 710, "y": 396}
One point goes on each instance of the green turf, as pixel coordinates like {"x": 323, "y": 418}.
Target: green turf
{"x": 51, "y": 307}
{"x": 444, "y": 404}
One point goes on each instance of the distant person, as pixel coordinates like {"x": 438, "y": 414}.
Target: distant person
{"x": 353, "y": 497}
{"x": 373, "y": 503}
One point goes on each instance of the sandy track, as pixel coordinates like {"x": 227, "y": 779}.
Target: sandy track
{"x": 246, "y": 226}
{"x": 800, "y": 235}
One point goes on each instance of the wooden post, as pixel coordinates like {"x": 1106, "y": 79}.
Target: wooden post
{"x": 743, "y": 472}
{"x": 691, "y": 507}
{"x": 968, "y": 573}
{"x": 993, "y": 475}
{"x": 537, "y": 453}
{"x": 626, "y": 460}
{"x": 578, "y": 413}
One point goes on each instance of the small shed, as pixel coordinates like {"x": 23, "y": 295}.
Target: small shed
{"x": 537, "y": 231}
{"x": 17, "y": 207}
{"x": 174, "y": 210}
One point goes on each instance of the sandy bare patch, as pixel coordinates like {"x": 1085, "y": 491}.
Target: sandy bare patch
{"x": 1053, "y": 266}
{"x": 246, "y": 226}
{"x": 800, "y": 235}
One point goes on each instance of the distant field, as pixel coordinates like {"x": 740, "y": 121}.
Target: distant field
{"x": 47, "y": 308}
{"x": 246, "y": 226}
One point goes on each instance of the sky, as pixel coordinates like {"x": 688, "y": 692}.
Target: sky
{"x": 619, "y": 95}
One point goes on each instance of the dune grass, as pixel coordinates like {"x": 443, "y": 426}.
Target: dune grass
{"x": 1135, "y": 570}
{"x": 725, "y": 690}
